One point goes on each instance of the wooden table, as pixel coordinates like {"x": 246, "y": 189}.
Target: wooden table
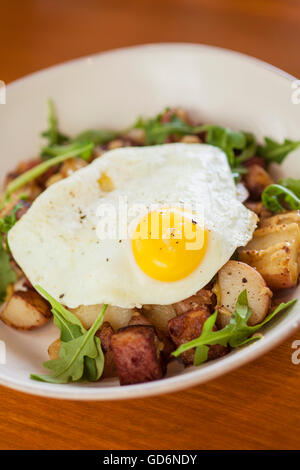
{"x": 255, "y": 407}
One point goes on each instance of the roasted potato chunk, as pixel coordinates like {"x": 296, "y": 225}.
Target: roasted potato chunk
{"x": 168, "y": 346}
{"x": 256, "y": 180}
{"x": 232, "y": 279}
{"x": 105, "y": 333}
{"x": 188, "y": 326}
{"x": 137, "y": 353}
{"x": 204, "y": 297}
{"x": 71, "y": 165}
{"x": 117, "y": 317}
{"x": 159, "y": 315}
{"x": 284, "y": 218}
{"x": 26, "y": 310}
{"x": 274, "y": 252}
{"x": 259, "y": 209}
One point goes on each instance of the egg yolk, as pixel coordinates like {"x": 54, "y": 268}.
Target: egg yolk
{"x": 169, "y": 244}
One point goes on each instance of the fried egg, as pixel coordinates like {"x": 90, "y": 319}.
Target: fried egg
{"x": 139, "y": 225}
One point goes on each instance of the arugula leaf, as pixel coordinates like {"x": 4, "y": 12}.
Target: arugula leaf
{"x": 80, "y": 355}
{"x": 201, "y": 355}
{"x": 235, "y": 334}
{"x": 9, "y": 220}
{"x": 227, "y": 140}
{"x": 275, "y": 195}
{"x": 98, "y": 137}
{"x": 157, "y": 131}
{"x": 276, "y": 152}
{"x": 7, "y": 274}
{"x": 249, "y": 149}
{"x": 56, "y": 140}
{"x": 83, "y": 150}
{"x": 291, "y": 184}
{"x": 52, "y": 133}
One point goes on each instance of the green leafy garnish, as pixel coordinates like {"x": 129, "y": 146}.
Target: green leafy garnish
{"x": 83, "y": 150}
{"x": 80, "y": 355}
{"x": 7, "y": 274}
{"x": 235, "y": 334}
{"x": 249, "y": 149}
{"x": 98, "y": 137}
{"x": 276, "y": 152}
{"x": 227, "y": 140}
{"x": 291, "y": 184}
{"x": 275, "y": 195}
{"x": 157, "y": 132}
{"x": 52, "y": 133}
{"x": 59, "y": 143}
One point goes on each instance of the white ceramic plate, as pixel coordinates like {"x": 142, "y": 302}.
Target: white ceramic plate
{"x": 111, "y": 90}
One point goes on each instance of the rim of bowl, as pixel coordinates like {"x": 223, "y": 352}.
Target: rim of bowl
{"x": 195, "y": 376}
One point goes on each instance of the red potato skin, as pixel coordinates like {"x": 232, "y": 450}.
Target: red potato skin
{"x": 136, "y": 355}
{"x": 188, "y": 326}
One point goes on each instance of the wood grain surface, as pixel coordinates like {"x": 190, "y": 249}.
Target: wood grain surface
{"x": 255, "y": 407}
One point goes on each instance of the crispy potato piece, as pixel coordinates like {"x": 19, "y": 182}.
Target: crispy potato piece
{"x": 274, "y": 252}
{"x": 71, "y": 165}
{"x": 137, "y": 353}
{"x": 204, "y": 297}
{"x": 53, "y": 350}
{"x": 233, "y": 278}
{"x": 159, "y": 315}
{"x": 26, "y": 310}
{"x": 105, "y": 333}
{"x": 190, "y": 139}
{"x": 259, "y": 209}
{"x": 53, "y": 179}
{"x": 139, "y": 319}
{"x": 188, "y": 326}
{"x": 256, "y": 180}
{"x": 118, "y": 317}
{"x": 279, "y": 219}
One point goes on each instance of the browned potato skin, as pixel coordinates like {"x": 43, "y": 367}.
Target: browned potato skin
{"x": 256, "y": 180}
{"x": 274, "y": 252}
{"x": 139, "y": 319}
{"x": 233, "y": 278}
{"x": 136, "y": 350}
{"x": 105, "y": 333}
{"x": 188, "y": 326}
{"x": 204, "y": 297}
{"x": 26, "y": 310}
{"x": 259, "y": 209}
{"x": 71, "y": 165}
{"x": 279, "y": 219}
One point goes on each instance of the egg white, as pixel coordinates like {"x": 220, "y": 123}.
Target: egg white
{"x": 57, "y": 245}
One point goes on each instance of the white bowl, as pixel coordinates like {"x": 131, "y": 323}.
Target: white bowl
{"x": 111, "y": 90}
